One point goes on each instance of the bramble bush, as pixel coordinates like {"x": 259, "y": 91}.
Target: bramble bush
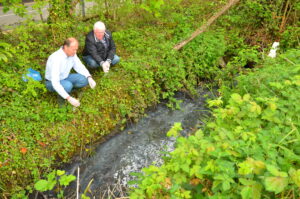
{"x": 249, "y": 150}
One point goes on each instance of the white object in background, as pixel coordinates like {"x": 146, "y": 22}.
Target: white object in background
{"x": 273, "y": 50}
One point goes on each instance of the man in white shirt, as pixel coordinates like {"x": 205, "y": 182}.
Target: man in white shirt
{"x": 58, "y": 67}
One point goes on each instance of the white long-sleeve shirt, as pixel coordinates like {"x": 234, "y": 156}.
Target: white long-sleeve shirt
{"x": 58, "y": 67}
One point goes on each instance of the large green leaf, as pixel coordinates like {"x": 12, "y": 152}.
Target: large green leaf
{"x": 252, "y": 192}
{"x": 276, "y": 184}
{"x": 41, "y": 185}
{"x": 295, "y": 175}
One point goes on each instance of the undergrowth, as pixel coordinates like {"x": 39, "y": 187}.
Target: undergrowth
{"x": 37, "y": 136}
{"x": 250, "y": 149}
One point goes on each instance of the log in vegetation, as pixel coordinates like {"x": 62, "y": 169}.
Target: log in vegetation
{"x": 206, "y": 25}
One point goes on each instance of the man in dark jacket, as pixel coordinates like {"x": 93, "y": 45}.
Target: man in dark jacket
{"x": 100, "y": 49}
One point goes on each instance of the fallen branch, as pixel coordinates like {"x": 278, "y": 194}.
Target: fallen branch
{"x": 286, "y": 59}
{"x": 206, "y": 25}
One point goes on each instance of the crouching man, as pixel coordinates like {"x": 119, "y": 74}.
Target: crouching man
{"x": 100, "y": 49}
{"x": 58, "y": 67}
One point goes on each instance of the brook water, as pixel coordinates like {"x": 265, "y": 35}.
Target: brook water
{"x": 138, "y": 146}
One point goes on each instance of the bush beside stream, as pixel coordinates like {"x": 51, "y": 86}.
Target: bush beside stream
{"x": 37, "y": 136}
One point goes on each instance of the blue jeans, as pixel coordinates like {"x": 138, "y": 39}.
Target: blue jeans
{"x": 74, "y": 80}
{"x": 91, "y": 63}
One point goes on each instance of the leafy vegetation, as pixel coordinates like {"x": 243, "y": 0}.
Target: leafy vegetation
{"x": 37, "y": 136}
{"x": 249, "y": 150}
{"x": 55, "y": 178}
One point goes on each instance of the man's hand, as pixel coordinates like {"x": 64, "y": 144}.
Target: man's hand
{"x": 105, "y": 66}
{"x": 108, "y": 63}
{"x": 73, "y": 101}
{"x": 92, "y": 83}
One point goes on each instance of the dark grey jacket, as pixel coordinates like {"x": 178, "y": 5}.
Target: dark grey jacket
{"x": 97, "y": 50}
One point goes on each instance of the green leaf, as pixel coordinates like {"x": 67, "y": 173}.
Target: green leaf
{"x": 276, "y": 184}
{"x": 244, "y": 181}
{"x": 51, "y": 176}
{"x": 173, "y": 132}
{"x": 66, "y": 179}
{"x": 275, "y": 172}
{"x": 60, "y": 172}
{"x": 252, "y": 192}
{"x": 246, "y": 97}
{"x": 83, "y": 196}
{"x": 246, "y": 193}
{"x": 217, "y": 102}
{"x": 245, "y": 168}
{"x": 237, "y": 98}
{"x": 51, "y": 184}
{"x": 226, "y": 185}
{"x": 41, "y": 185}
{"x": 256, "y": 191}
{"x": 295, "y": 175}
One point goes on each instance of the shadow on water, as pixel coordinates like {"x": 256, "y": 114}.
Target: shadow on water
{"x": 138, "y": 146}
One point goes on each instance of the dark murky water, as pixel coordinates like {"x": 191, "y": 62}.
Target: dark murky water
{"x": 139, "y": 145}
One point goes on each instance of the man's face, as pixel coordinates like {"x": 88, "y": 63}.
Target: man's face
{"x": 99, "y": 33}
{"x": 72, "y": 49}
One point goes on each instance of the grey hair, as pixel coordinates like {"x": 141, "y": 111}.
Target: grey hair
{"x": 99, "y": 25}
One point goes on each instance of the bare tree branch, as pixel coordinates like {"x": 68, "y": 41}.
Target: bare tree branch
{"x": 206, "y": 25}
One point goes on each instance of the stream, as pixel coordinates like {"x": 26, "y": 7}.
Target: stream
{"x": 137, "y": 146}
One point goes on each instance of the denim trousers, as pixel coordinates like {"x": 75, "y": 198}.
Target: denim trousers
{"x": 93, "y": 64}
{"x": 74, "y": 80}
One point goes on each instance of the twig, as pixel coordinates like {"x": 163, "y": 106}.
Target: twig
{"x": 36, "y": 195}
{"x": 111, "y": 193}
{"x": 284, "y": 17}
{"x": 45, "y": 197}
{"x": 77, "y": 188}
{"x": 88, "y": 187}
{"x": 286, "y": 59}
